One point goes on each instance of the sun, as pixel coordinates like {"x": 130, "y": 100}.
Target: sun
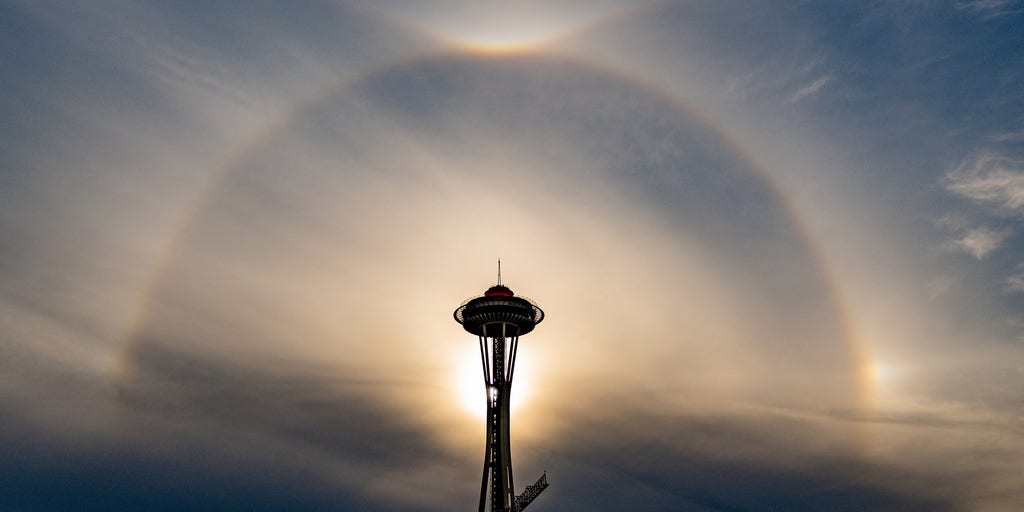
{"x": 470, "y": 383}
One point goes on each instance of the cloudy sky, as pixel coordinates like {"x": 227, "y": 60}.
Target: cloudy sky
{"x": 780, "y": 246}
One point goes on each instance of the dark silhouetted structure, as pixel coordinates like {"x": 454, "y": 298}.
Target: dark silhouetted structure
{"x": 498, "y": 318}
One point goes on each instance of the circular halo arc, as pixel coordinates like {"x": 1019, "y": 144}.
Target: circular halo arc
{"x": 122, "y": 367}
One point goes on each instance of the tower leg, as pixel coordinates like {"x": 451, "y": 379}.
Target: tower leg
{"x": 483, "y": 482}
{"x": 498, "y": 361}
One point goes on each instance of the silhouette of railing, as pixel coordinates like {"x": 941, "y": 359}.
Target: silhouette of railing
{"x": 531, "y": 492}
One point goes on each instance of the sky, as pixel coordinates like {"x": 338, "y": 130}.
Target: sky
{"x": 779, "y": 245}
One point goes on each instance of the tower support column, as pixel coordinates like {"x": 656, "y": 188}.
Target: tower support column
{"x": 498, "y": 370}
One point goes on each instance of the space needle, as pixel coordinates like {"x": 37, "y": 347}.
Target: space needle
{"x": 498, "y": 318}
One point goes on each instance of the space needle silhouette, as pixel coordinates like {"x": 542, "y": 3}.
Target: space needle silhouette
{"x": 498, "y": 319}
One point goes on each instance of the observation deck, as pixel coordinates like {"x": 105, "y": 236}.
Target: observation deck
{"x": 499, "y": 313}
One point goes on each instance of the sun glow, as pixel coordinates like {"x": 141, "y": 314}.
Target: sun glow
{"x": 502, "y": 42}
{"x": 885, "y": 377}
{"x": 882, "y": 372}
{"x": 494, "y": 29}
{"x": 471, "y": 389}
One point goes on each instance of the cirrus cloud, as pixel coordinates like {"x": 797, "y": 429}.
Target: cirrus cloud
{"x": 992, "y": 180}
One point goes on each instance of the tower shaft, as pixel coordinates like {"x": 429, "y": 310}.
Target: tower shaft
{"x": 498, "y": 355}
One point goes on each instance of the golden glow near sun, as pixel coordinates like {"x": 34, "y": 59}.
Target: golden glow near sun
{"x": 511, "y": 41}
{"x": 495, "y": 29}
{"x": 884, "y": 376}
{"x": 882, "y": 372}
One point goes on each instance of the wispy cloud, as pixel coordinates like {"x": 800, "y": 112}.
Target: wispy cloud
{"x": 979, "y": 242}
{"x": 1016, "y": 136}
{"x": 1015, "y": 283}
{"x": 992, "y": 180}
{"x": 989, "y": 9}
{"x": 965, "y": 235}
{"x": 811, "y": 88}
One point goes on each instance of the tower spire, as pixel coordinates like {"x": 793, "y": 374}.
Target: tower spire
{"x": 499, "y": 271}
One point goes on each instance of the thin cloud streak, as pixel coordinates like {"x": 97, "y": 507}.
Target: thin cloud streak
{"x": 811, "y": 88}
{"x": 990, "y": 9}
{"x": 980, "y": 242}
{"x": 992, "y": 180}
{"x": 1015, "y": 283}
